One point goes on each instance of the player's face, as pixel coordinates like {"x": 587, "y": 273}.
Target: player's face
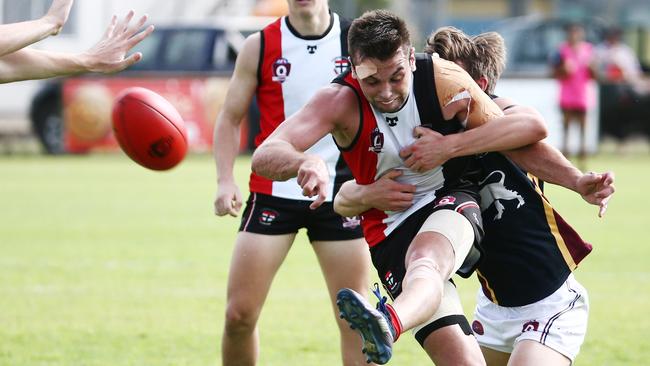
{"x": 306, "y": 6}
{"x": 388, "y": 88}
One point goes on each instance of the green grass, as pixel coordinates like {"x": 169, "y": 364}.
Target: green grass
{"x": 103, "y": 262}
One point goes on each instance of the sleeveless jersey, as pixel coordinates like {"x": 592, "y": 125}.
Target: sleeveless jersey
{"x": 375, "y": 151}
{"x": 291, "y": 69}
{"x": 529, "y": 250}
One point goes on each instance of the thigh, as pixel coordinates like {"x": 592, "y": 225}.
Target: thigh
{"x": 451, "y": 346}
{"x": 345, "y": 263}
{"x": 255, "y": 261}
{"x": 532, "y": 353}
{"x": 494, "y": 357}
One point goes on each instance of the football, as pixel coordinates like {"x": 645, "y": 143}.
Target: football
{"x": 149, "y": 129}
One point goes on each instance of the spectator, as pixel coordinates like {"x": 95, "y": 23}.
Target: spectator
{"x": 573, "y": 68}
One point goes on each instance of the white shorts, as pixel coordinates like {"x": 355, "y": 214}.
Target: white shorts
{"x": 558, "y": 321}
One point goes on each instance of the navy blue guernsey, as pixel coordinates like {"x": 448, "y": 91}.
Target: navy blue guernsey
{"x": 529, "y": 250}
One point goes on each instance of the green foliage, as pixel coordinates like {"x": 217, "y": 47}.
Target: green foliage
{"x": 106, "y": 263}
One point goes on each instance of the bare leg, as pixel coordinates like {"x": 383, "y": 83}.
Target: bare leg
{"x": 449, "y": 346}
{"x": 346, "y": 264}
{"x": 262, "y": 255}
{"x": 530, "y": 353}
{"x": 494, "y": 357}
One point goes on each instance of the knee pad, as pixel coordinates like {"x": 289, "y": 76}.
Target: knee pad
{"x": 422, "y": 268}
{"x": 456, "y": 228}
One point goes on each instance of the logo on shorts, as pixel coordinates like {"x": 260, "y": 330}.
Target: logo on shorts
{"x": 281, "y": 70}
{"x": 268, "y": 216}
{"x": 341, "y": 64}
{"x": 376, "y": 141}
{"x": 446, "y": 200}
{"x": 351, "y": 222}
{"x": 477, "y": 327}
{"x": 390, "y": 282}
{"x": 530, "y": 326}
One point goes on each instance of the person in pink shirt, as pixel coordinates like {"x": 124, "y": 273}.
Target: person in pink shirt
{"x": 573, "y": 68}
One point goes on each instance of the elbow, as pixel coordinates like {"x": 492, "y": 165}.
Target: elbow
{"x": 539, "y": 130}
{"x": 258, "y": 161}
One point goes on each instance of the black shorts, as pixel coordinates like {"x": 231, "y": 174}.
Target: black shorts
{"x": 388, "y": 256}
{"x": 270, "y": 215}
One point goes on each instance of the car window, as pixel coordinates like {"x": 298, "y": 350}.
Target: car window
{"x": 149, "y": 48}
{"x": 186, "y": 50}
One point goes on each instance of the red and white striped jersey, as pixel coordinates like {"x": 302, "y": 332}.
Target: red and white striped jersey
{"x": 291, "y": 69}
{"x": 376, "y": 151}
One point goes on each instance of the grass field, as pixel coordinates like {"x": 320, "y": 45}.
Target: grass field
{"x": 105, "y": 263}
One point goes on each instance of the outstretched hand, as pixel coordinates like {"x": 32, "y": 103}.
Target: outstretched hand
{"x": 58, "y": 14}
{"x": 109, "y": 54}
{"x": 596, "y": 189}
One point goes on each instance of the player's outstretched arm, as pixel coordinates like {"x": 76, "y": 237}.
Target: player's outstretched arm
{"x": 107, "y": 56}
{"x": 225, "y": 147}
{"x": 385, "y": 194}
{"x": 16, "y": 36}
{"x": 548, "y": 164}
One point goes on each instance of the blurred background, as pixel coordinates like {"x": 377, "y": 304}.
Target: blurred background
{"x": 190, "y": 57}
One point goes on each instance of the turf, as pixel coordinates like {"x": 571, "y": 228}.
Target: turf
{"x": 103, "y": 262}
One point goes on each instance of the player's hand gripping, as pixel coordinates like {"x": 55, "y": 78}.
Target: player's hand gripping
{"x": 228, "y": 200}
{"x": 427, "y": 152}
{"x": 109, "y": 54}
{"x": 597, "y": 189}
{"x": 386, "y": 194}
{"x": 313, "y": 177}
{"x": 58, "y": 14}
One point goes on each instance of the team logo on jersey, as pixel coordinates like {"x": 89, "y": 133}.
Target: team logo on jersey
{"x": 530, "y": 326}
{"x": 445, "y": 201}
{"x": 341, "y": 64}
{"x": 392, "y": 121}
{"x": 477, "y": 327}
{"x": 376, "y": 141}
{"x": 268, "y": 216}
{"x": 281, "y": 70}
{"x": 351, "y": 222}
{"x": 391, "y": 284}
{"x": 311, "y": 49}
{"x": 496, "y": 192}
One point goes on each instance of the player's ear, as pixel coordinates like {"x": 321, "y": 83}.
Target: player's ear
{"x": 412, "y": 58}
{"x": 482, "y": 82}
{"x": 353, "y": 70}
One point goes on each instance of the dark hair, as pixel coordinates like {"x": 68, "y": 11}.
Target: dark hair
{"x": 377, "y": 34}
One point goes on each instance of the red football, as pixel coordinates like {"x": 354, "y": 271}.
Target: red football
{"x": 149, "y": 129}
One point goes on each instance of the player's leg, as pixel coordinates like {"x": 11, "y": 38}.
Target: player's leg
{"x": 530, "y": 353}
{"x": 494, "y": 357}
{"x": 268, "y": 228}
{"x": 344, "y": 259}
{"x": 435, "y": 253}
{"x": 261, "y": 255}
{"x": 345, "y": 264}
{"x": 447, "y": 337}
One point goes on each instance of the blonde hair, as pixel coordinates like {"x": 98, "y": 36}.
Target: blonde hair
{"x": 481, "y": 55}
